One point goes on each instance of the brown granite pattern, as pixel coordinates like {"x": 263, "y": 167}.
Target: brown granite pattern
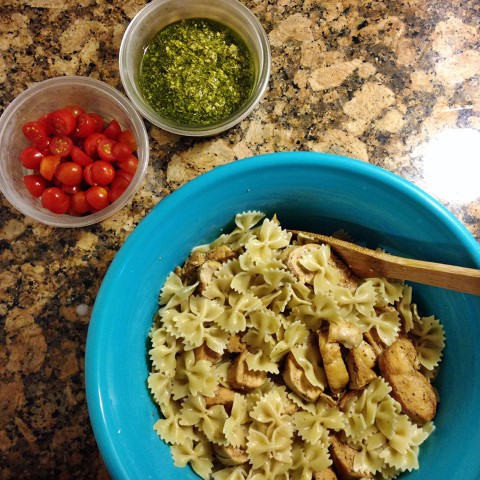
{"x": 376, "y": 80}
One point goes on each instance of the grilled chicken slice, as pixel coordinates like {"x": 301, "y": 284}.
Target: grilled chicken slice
{"x": 335, "y": 368}
{"x": 343, "y": 456}
{"x": 359, "y": 369}
{"x": 240, "y": 377}
{"x": 399, "y": 366}
{"x": 223, "y": 396}
{"x": 327, "y": 474}
{"x": 295, "y": 378}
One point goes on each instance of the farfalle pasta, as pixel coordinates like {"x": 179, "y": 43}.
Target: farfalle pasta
{"x": 272, "y": 361}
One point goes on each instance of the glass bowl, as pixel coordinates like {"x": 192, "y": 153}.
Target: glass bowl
{"x": 92, "y": 95}
{"x": 160, "y": 13}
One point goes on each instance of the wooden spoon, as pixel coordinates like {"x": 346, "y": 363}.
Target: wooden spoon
{"x": 365, "y": 263}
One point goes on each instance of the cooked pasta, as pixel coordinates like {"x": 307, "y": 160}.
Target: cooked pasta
{"x": 269, "y": 359}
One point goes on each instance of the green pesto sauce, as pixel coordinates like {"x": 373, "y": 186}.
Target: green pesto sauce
{"x": 196, "y": 72}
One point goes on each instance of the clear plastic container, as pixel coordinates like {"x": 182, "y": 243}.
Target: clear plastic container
{"x": 160, "y": 13}
{"x": 92, "y": 95}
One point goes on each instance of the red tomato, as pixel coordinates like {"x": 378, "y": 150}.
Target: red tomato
{"x": 113, "y": 130}
{"x": 35, "y": 184}
{"x": 130, "y": 164}
{"x": 48, "y": 165}
{"x": 78, "y": 203}
{"x": 91, "y": 142}
{"x": 80, "y": 157}
{"x": 61, "y": 146}
{"x": 30, "y": 157}
{"x": 87, "y": 174}
{"x": 121, "y": 151}
{"x": 122, "y": 173}
{"x": 99, "y": 121}
{"x": 97, "y": 197}
{"x": 75, "y": 110}
{"x": 62, "y": 122}
{"x": 104, "y": 149}
{"x": 44, "y": 147}
{"x": 70, "y": 189}
{"x": 86, "y": 125}
{"x": 35, "y": 132}
{"x": 55, "y": 200}
{"x": 128, "y": 138}
{"x": 102, "y": 172}
{"x": 117, "y": 187}
{"x": 69, "y": 173}
{"x": 44, "y": 121}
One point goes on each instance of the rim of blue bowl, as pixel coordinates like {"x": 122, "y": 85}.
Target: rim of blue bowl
{"x": 98, "y": 395}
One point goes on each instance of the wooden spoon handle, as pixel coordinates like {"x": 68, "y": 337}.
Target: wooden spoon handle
{"x": 365, "y": 263}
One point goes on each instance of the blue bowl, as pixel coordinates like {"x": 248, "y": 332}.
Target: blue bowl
{"x": 308, "y": 191}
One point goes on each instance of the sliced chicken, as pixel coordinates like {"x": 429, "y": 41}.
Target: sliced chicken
{"x": 223, "y": 396}
{"x": 372, "y": 338}
{"x": 327, "y": 474}
{"x": 335, "y": 368}
{"x": 361, "y": 374}
{"x": 221, "y": 254}
{"x": 204, "y": 352}
{"x": 235, "y": 344}
{"x": 240, "y": 377}
{"x": 206, "y": 272}
{"x": 346, "y": 333}
{"x": 399, "y": 366}
{"x": 295, "y": 378}
{"x": 343, "y": 457}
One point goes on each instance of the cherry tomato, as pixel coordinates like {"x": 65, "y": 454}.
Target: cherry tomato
{"x": 113, "y": 130}
{"x": 86, "y": 125}
{"x": 122, "y": 173}
{"x": 87, "y": 174}
{"x": 80, "y": 157}
{"x": 35, "y": 184}
{"x": 44, "y": 147}
{"x": 55, "y": 200}
{"x": 102, "y": 172}
{"x": 75, "y": 110}
{"x": 130, "y": 164}
{"x": 30, "y": 157}
{"x": 104, "y": 149}
{"x": 69, "y": 173}
{"x": 48, "y": 165}
{"x": 61, "y": 146}
{"x": 128, "y": 138}
{"x": 117, "y": 187}
{"x": 121, "y": 151}
{"x": 78, "y": 203}
{"x": 97, "y": 197}
{"x": 45, "y": 122}
{"x": 91, "y": 142}
{"x": 99, "y": 121}
{"x": 35, "y": 132}
{"x": 70, "y": 189}
{"x": 62, "y": 122}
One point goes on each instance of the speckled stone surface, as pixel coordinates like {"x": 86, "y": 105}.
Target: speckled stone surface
{"x": 393, "y": 83}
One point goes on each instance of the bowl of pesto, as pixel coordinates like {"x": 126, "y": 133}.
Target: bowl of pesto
{"x": 195, "y": 67}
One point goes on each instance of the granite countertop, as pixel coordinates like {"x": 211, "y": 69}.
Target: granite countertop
{"x": 392, "y": 83}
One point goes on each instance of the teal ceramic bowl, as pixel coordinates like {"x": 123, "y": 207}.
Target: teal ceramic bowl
{"x": 308, "y": 191}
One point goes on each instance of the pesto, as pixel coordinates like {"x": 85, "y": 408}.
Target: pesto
{"x": 196, "y": 72}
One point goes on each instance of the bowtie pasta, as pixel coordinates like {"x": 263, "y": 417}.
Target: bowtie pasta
{"x": 272, "y": 361}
